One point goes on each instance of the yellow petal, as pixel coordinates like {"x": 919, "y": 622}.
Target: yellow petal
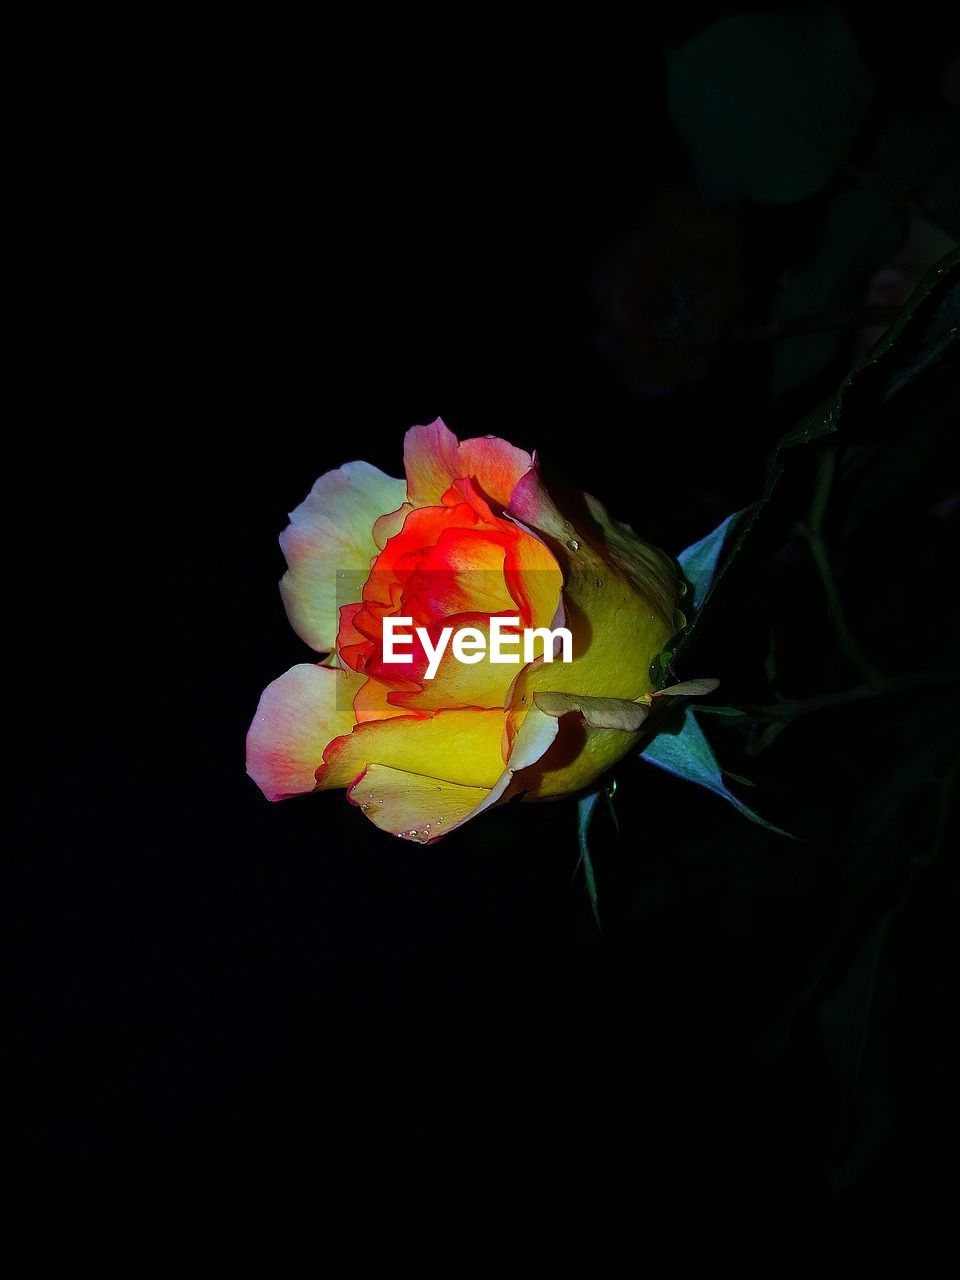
{"x": 371, "y": 702}
{"x": 577, "y": 758}
{"x": 414, "y": 807}
{"x": 452, "y": 746}
{"x": 423, "y": 809}
{"x": 619, "y": 607}
{"x": 593, "y": 734}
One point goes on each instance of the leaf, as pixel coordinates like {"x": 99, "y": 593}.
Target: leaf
{"x": 687, "y": 754}
{"x": 895, "y": 466}
{"x": 926, "y": 328}
{"x": 699, "y": 561}
{"x": 863, "y": 228}
{"x": 769, "y": 103}
{"x": 924, "y": 332}
{"x": 585, "y": 811}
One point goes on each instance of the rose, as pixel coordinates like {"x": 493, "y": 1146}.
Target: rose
{"x": 472, "y": 535}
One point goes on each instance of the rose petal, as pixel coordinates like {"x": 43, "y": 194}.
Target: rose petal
{"x": 531, "y": 503}
{"x": 421, "y": 530}
{"x": 371, "y": 702}
{"x": 599, "y": 713}
{"x": 460, "y": 746}
{"x": 689, "y": 688}
{"x": 463, "y": 573}
{"x": 424, "y": 809}
{"x": 458, "y": 684}
{"x": 653, "y": 572}
{"x": 433, "y": 460}
{"x": 414, "y": 807}
{"x": 331, "y": 531}
{"x": 579, "y": 752}
{"x": 612, "y": 617}
{"x": 298, "y": 716}
{"x": 389, "y": 526}
{"x": 535, "y": 580}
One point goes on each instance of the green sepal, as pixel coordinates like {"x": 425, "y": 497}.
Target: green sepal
{"x": 685, "y": 753}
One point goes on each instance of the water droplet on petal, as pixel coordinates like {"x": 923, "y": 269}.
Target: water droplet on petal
{"x": 573, "y": 544}
{"x": 412, "y": 834}
{"x": 439, "y": 821}
{"x": 364, "y": 807}
{"x": 598, "y": 582}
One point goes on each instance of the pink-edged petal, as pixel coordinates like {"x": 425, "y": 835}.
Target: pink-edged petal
{"x": 531, "y": 504}
{"x": 430, "y": 459}
{"x": 331, "y": 533}
{"x": 299, "y": 715}
{"x": 433, "y": 459}
{"x": 496, "y": 464}
{"x": 465, "y": 490}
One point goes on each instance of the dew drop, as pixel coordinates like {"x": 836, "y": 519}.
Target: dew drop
{"x": 573, "y": 544}
{"x": 598, "y": 582}
{"x": 364, "y": 807}
{"x": 439, "y": 822}
{"x": 412, "y": 834}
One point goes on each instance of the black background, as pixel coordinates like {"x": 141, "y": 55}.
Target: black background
{"x": 242, "y": 250}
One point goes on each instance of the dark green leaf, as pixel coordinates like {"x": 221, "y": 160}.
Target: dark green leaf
{"x": 894, "y": 466}
{"x": 863, "y": 229}
{"x": 925, "y": 330}
{"x": 769, "y": 103}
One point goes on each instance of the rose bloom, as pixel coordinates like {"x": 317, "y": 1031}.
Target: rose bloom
{"x": 471, "y": 534}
